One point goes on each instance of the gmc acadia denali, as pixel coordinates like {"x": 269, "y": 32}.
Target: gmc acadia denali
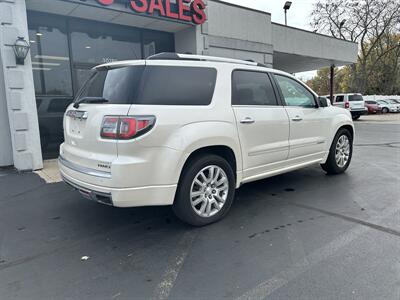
{"x": 187, "y": 130}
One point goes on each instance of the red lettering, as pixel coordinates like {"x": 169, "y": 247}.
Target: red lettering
{"x": 168, "y": 11}
{"x": 139, "y": 8}
{"x": 199, "y": 16}
{"x": 159, "y": 6}
{"x": 106, "y": 2}
{"x": 183, "y": 7}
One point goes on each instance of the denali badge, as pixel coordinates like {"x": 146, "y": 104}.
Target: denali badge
{"x": 77, "y": 114}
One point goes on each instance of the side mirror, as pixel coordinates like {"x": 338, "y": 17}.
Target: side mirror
{"x": 322, "y": 102}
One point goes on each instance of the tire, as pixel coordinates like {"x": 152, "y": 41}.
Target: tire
{"x": 356, "y": 117}
{"x": 190, "y": 191}
{"x": 332, "y": 166}
{"x": 385, "y": 110}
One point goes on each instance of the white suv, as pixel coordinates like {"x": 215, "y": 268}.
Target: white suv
{"x": 187, "y": 130}
{"x": 353, "y": 102}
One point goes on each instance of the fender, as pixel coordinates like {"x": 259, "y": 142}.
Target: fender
{"x": 340, "y": 120}
{"x": 197, "y": 135}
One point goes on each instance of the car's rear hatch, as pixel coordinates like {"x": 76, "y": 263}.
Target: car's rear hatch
{"x": 356, "y": 102}
{"x": 83, "y": 144}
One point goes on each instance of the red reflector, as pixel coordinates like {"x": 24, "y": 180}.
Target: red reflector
{"x": 127, "y": 128}
{"x": 346, "y": 105}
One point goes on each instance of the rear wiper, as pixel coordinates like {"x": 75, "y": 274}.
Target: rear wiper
{"x": 90, "y": 100}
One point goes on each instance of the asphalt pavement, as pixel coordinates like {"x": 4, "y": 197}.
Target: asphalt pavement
{"x": 301, "y": 235}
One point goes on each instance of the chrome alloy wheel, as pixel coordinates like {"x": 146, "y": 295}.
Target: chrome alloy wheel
{"x": 209, "y": 191}
{"x": 342, "y": 152}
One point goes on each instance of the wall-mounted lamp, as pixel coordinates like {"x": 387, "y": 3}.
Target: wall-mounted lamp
{"x": 21, "y": 48}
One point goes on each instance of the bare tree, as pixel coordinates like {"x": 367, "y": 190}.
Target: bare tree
{"x": 367, "y": 22}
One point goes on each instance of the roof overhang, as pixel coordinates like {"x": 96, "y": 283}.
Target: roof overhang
{"x": 297, "y": 50}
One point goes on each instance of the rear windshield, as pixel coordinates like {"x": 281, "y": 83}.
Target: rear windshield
{"x": 152, "y": 85}
{"x": 355, "y": 98}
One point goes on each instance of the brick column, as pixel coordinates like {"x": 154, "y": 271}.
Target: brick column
{"x": 18, "y": 89}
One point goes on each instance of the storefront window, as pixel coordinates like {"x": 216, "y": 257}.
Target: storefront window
{"x": 95, "y": 43}
{"x": 156, "y": 42}
{"x": 50, "y": 58}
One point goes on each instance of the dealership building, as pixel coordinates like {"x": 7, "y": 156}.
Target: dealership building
{"x": 67, "y": 38}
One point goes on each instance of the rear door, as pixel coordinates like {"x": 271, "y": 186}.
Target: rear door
{"x": 82, "y": 126}
{"x": 309, "y": 124}
{"x": 356, "y": 102}
{"x": 262, "y": 122}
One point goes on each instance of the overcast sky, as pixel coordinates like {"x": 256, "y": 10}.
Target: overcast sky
{"x": 298, "y": 15}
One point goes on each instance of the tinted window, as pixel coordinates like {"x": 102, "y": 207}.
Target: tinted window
{"x": 370, "y": 102}
{"x": 355, "y": 98}
{"x": 339, "y": 99}
{"x": 153, "y": 85}
{"x": 167, "y": 85}
{"x": 97, "y": 43}
{"x": 118, "y": 86}
{"x": 294, "y": 93}
{"x": 50, "y": 57}
{"x": 58, "y": 105}
{"x": 252, "y": 88}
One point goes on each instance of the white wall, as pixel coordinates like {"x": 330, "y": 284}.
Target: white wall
{"x": 6, "y": 157}
{"x": 19, "y": 89}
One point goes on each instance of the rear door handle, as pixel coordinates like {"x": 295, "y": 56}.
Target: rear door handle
{"x": 247, "y": 120}
{"x": 297, "y": 119}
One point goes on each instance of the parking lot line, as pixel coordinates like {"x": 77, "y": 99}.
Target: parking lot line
{"x": 171, "y": 273}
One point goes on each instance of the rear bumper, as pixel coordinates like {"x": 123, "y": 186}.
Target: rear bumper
{"x": 359, "y": 112}
{"x": 119, "y": 197}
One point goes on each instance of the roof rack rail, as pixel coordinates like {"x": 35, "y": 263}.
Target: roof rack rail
{"x": 178, "y": 56}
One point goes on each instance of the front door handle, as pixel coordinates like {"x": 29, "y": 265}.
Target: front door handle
{"x": 247, "y": 120}
{"x": 297, "y": 119}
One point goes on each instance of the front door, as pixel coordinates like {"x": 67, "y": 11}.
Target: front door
{"x": 262, "y": 123}
{"x": 309, "y": 124}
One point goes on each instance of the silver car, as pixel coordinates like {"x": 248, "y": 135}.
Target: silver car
{"x": 388, "y": 106}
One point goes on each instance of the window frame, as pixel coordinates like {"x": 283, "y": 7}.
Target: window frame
{"x": 274, "y": 88}
{"x": 316, "y": 105}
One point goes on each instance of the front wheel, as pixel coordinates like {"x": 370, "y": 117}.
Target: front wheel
{"x": 340, "y": 153}
{"x": 205, "y": 191}
{"x": 356, "y": 117}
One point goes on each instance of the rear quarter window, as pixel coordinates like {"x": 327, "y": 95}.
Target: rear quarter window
{"x": 173, "y": 85}
{"x": 152, "y": 85}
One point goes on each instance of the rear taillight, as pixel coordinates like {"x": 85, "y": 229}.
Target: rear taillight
{"x": 125, "y": 128}
{"x": 346, "y": 105}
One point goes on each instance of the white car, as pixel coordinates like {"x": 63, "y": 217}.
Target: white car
{"x": 187, "y": 130}
{"x": 353, "y": 102}
{"x": 388, "y": 106}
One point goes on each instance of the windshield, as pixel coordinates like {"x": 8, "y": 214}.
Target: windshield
{"x": 355, "y": 98}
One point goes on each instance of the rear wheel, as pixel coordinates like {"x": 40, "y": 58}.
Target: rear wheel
{"x": 385, "y": 110}
{"x": 356, "y": 117}
{"x": 205, "y": 191}
{"x": 340, "y": 153}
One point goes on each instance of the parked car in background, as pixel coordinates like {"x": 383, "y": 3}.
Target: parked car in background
{"x": 395, "y": 100}
{"x": 388, "y": 106}
{"x": 373, "y": 107}
{"x": 352, "y": 102}
{"x": 133, "y": 138}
